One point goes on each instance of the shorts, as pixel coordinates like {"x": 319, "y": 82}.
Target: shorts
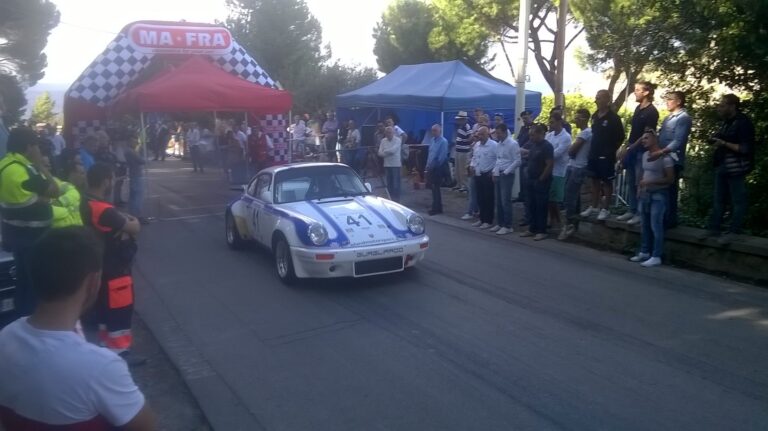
{"x": 602, "y": 168}
{"x": 557, "y": 189}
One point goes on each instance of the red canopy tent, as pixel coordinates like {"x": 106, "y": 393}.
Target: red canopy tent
{"x": 199, "y": 85}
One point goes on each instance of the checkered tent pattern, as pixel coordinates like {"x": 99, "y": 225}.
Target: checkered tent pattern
{"x": 120, "y": 63}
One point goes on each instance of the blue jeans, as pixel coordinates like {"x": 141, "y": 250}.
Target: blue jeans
{"x": 574, "y": 178}
{"x": 473, "y": 207}
{"x": 503, "y": 186}
{"x": 135, "y": 196}
{"x": 736, "y": 187}
{"x": 653, "y": 206}
{"x": 393, "y": 182}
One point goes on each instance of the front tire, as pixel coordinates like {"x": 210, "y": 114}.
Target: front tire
{"x": 284, "y": 261}
{"x": 234, "y": 240}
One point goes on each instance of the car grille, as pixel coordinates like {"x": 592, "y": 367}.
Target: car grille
{"x": 378, "y": 266}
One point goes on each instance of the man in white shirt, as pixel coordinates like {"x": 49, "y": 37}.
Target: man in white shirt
{"x": 561, "y": 141}
{"x": 575, "y": 173}
{"x": 58, "y": 141}
{"x": 507, "y": 161}
{"x": 195, "y": 152}
{"x": 51, "y": 376}
{"x": 298, "y": 135}
{"x": 389, "y": 150}
{"x": 481, "y": 167}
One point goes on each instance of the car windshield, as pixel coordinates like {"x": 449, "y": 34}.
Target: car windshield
{"x": 317, "y": 182}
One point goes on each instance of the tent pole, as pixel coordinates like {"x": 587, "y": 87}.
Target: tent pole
{"x": 290, "y": 139}
{"x": 245, "y": 152}
{"x": 143, "y": 142}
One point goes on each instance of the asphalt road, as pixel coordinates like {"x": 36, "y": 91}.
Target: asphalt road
{"x": 487, "y": 334}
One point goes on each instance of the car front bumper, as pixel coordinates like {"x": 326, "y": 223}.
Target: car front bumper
{"x": 358, "y": 261}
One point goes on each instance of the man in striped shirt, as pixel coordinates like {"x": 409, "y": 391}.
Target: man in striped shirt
{"x": 463, "y": 147}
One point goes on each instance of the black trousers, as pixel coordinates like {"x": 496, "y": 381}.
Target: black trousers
{"x": 436, "y": 179}
{"x": 537, "y": 194}
{"x": 485, "y": 196}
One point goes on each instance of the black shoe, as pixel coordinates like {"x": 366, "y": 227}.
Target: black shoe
{"x": 132, "y": 359}
{"x": 434, "y": 212}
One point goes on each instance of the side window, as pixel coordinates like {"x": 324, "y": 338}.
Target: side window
{"x": 252, "y": 187}
{"x": 263, "y": 183}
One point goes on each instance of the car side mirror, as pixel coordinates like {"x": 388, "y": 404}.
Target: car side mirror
{"x": 369, "y": 187}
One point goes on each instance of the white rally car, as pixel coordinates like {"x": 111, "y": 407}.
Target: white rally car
{"x": 320, "y": 220}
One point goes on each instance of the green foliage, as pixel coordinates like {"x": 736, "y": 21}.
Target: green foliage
{"x": 574, "y": 102}
{"x": 24, "y": 29}
{"x": 286, "y": 40}
{"x": 625, "y": 36}
{"x": 13, "y": 99}
{"x": 410, "y": 32}
{"x": 333, "y": 79}
{"x": 42, "y": 112}
{"x": 282, "y": 36}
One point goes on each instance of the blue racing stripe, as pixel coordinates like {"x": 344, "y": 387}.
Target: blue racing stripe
{"x": 341, "y": 237}
{"x": 398, "y": 233}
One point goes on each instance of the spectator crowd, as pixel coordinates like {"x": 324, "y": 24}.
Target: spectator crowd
{"x": 553, "y": 162}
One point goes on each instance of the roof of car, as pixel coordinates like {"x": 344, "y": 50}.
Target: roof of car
{"x": 275, "y": 169}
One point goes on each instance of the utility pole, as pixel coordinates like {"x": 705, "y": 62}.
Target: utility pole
{"x": 522, "y": 61}
{"x": 562, "y": 14}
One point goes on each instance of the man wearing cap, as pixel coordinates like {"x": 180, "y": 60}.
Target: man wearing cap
{"x": 463, "y": 147}
{"x": 498, "y": 118}
{"x": 523, "y": 139}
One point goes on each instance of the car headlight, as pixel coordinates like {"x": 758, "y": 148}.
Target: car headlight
{"x": 416, "y": 224}
{"x": 318, "y": 234}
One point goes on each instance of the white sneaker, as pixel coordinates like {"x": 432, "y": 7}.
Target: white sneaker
{"x": 640, "y": 257}
{"x": 477, "y": 223}
{"x": 603, "y": 215}
{"x": 467, "y": 217}
{"x": 485, "y": 226}
{"x": 626, "y": 216}
{"x": 588, "y": 212}
{"x": 654, "y": 261}
{"x": 495, "y": 228}
{"x": 634, "y": 220}
{"x": 504, "y": 231}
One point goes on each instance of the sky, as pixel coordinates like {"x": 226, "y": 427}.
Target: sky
{"x": 87, "y": 26}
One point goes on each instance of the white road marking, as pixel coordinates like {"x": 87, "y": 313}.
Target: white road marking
{"x": 190, "y": 217}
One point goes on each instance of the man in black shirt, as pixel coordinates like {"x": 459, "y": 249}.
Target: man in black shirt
{"x": 607, "y": 136}
{"x": 523, "y": 138}
{"x": 646, "y": 116}
{"x": 540, "y": 164}
{"x": 734, "y": 158}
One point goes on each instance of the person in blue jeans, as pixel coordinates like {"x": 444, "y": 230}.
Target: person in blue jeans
{"x": 507, "y": 161}
{"x": 656, "y": 178}
{"x": 436, "y": 167}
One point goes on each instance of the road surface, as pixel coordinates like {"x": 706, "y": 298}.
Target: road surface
{"x": 488, "y": 333}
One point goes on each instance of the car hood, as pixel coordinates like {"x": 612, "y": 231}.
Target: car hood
{"x": 356, "y": 221}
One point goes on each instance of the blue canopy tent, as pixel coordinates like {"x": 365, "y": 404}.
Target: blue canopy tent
{"x": 424, "y": 94}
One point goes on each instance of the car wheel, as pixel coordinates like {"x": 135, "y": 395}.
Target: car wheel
{"x": 284, "y": 261}
{"x": 234, "y": 240}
